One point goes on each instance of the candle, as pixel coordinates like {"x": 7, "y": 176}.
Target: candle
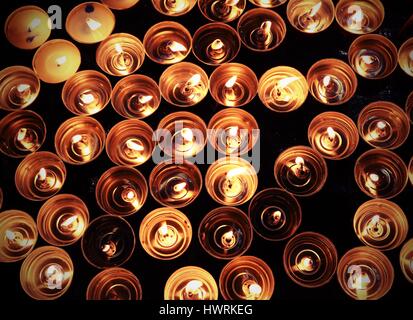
{"x": 165, "y": 233}
{"x": 120, "y": 4}
{"x": 406, "y": 260}
{"x": 365, "y": 273}
{"x": 27, "y": 27}
{"x": 173, "y": 7}
{"x": 90, "y": 22}
{"x": 246, "y": 278}
{"x": 311, "y": 16}
{"x": 405, "y": 57}
{"x": 268, "y": 3}
{"x": 222, "y": 10}
{"x": 46, "y": 274}
{"x": 373, "y": 56}
{"x": 56, "y": 61}
{"x": 359, "y": 17}
{"x": 261, "y": 29}
{"x": 121, "y": 191}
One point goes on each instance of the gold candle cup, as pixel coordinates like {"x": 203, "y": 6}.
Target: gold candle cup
{"x": 373, "y": 56}
{"x": 47, "y": 273}
{"x": 173, "y": 7}
{"x": 130, "y": 143}
{"x": 136, "y": 96}
{"x": 310, "y": 16}
{"x": 56, "y": 61}
{"x": 275, "y": 214}
{"x": 86, "y": 92}
{"x": 233, "y": 84}
{"x": 334, "y": 135}
{"x": 108, "y": 241}
{"x": 405, "y": 57}
{"x": 216, "y": 43}
{"x": 406, "y": 259}
{"x": 175, "y": 184}
{"x": 261, "y": 29}
{"x": 359, "y": 17}
{"x": 282, "y": 89}
{"x": 231, "y": 181}
{"x": 114, "y": 284}
{"x": 365, "y": 273}
{"x": 79, "y": 140}
{"x": 184, "y": 84}
{"x": 40, "y": 176}
{"x": 120, "y": 4}
{"x": 233, "y": 131}
{"x": 165, "y": 233}
{"x": 380, "y": 174}
{"x": 19, "y": 87}
{"x": 301, "y": 171}
{"x": 27, "y": 27}
{"x": 383, "y": 124}
{"x": 221, "y": 10}
{"x": 409, "y": 107}
{"x": 225, "y": 233}
{"x": 120, "y": 54}
{"x": 380, "y": 224}
{"x": 246, "y": 278}
{"x": 191, "y": 283}
{"x": 332, "y": 81}
{"x": 21, "y": 133}
{"x": 62, "y": 220}
{"x": 18, "y": 234}
{"x": 121, "y": 191}
{"x": 90, "y": 22}
{"x": 167, "y": 42}
{"x": 184, "y": 134}
{"x": 268, "y": 3}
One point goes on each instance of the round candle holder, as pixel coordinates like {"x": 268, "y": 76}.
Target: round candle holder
{"x": 405, "y": 57}
{"x": 167, "y": 42}
{"x": 332, "y": 81}
{"x": 409, "y": 107}
{"x": 165, "y": 233}
{"x": 373, "y": 56}
{"x": 261, "y": 29}
{"x": 120, "y": 4}
{"x": 114, "y": 284}
{"x": 233, "y": 84}
{"x": 62, "y": 220}
{"x": 383, "y": 124}
{"x": 301, "y": 171}
{"x": 359, "y": 17}
{"x": 120, "y": 54}
{"x": 80, "y": 140}
{"x": 233, "y": 131}
{"x": 310, "y": 16}
{"x": 191, "y": 283}
{"x": 184, "y": 84}
{"x": 130, "y": 143}
{"x": 19, "y": 87}
{"x": 365, "y": 273}
{"x": 18, "y": 233}
{"x": 121, "y": 191}
{"x": 47, "y": 273}
{"x": 406, "y": 258}
{"x": 21, "y": 133}
{"x": 40, "y": 176}
{"x": 246, "y": 278}
{"x": 175, "y": 185}
{"x": 216, "y": 43}
{"x": 231, "y": 181}
{"x": 109, "y": 241}
{"x": 222, "y": 10}
{"x": 275, "y": 214}
{"x": 172, "y": 7}
{"x": 334, "y": 135}
{"x": 380, "y": 174}
{"x": 282, "y": 89}
{"x": 90, "y": 22}
{"x": 268, "y": 3}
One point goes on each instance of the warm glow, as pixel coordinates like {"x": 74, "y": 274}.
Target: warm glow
{"x": 187, "y": 134}
{"x": 130, "y": 195}
{"x": 10, "y": 235}
{"x": 367, "y": 59}
{"x": 93, "y": 24}
{"x": 331, "y": 133}
{"x": 41, "y": 175}
{"x": 381, "y": 125}
{"x": 231, "y": 2}
{"x": 375, "y": 220}
{"x": 34, "y": 24}
{"x": 118, "y": 48}
{"x": 217, "y": 44}
{"x": 315, "y": 9}
{"x": 66, "y": 223}
{"x": 193, "y": 286}
{"x": 306, "y": 264}
{"x": 229, "y": 235}
{"x": 233, "y": 131}
{"x": 179, "y": 186}
{"x": 76, "y": 138}
{"x": 327, "y": 80}
{"x": 131, "y": 144}
{"x": 235, "y": 172}
{"x": 374, "y": 177}
{"x": 230, "y": 83}
{"x": 255, "y": 289}
{"x": 266, "y": 26}
{"x": 194, "y": 80}
{"x": 23, "y": 87}
{"x": 87, "y": 98}
{"x": 357, "y": 16}
{"x": 285, "y": 82}
{"x": 163, "y": 230}
{"x": 145, "y": 99}
{"x": 21, "y": 134}
{"x": 175, "y": 46}
{"x": 277, "y": 215}
{"x": 299, "y": 161}
{"x": 61, "y": 60}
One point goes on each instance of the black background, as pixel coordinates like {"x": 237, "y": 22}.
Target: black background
{"x": 329, "y": 212}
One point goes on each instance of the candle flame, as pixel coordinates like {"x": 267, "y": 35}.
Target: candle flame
{"x": 331, "y": 133}
{"x": 233, "y": 131}
{"x": 299, "y": 161}
{"x": 118, "y": 48}
{"x": 187, "y": 134}
{"x": 194, "y": 80}
{"x": 327, "y": 80}
{"x": 375, "y": 220}
{"x": 76, "y": 138}
{"x": 93, "y": 24}
{"x": 163, "y": 230}
{"x": 10, "y": 235}
{"x": 315, "y": 9}
{"x": 175, "y": 46}
{"x": 285, "y": 82}
{"x": 277, "y": 215}
{"x": 230, "y": 83}
{"x": 217, "y": 44}
{"x": 145, "y": 99}
{"x": 23, "y": 87}
{"x": 61, "y": 60}
{"x": 231, "y": 2}
{"x": 21, "y": 134}
{"x": 131, "y": 144}
{"x": 306, "y": 264}
{"x": 69, "y": 221}
{"x": 235, "y": 172}
{"x": 130, "y": 195}
{"x": 357, "y": 16}
{"x": 367, "y": 59}
{"x": 193, "y": 285}
{"x": 228, "y": 236}
{"x": 179, "y": 186}
{"x": 374, "y": 177}
{"x": 381, "y": 125}
{"x": 34, "y": 24}
{"x": 41, "y": 175}
{"x": 87, "y": 98}
{"x": 255, "y": 289}
{"x": 266, "y": 26}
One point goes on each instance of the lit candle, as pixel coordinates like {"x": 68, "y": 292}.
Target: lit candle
{"x": 70, "y": 224}
{"x": 167, "y": 235}
{"x": 134, "y": 149}
{"x": 216, "y": 50}
{"x": 299, "y": 172}
{"x": 184, "y": 141}
{"x": 129, "y": 195}
{"x": 109, "y": 248}
{"x": 232, "y": 185}
{"x": 27, "y": 139}
{"x": 252, "y": 290}
{"x": 81, "y": 147}
{"x": 263, "y": 35}
{"x": 16, "y": 240}
{"x": 359, "y": 281}
{"x": 306, "y": 264}
{"x": 46, "y": 180}
{"x": 232, "y": 89}
{"x": 228, "y": 240}
{"x": 194, "y": 290}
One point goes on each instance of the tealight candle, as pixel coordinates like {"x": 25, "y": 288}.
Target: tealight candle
{"x": 268, "y": 3}
{"x": 191, "y": 283}
{"x": 406, "y": 260}
{"x": 120, "y": 4}
{"x": 365, "y": 273}
{"x": 405, "y": 57}
{"x": 174, "y": 7}
{"x": 222, "y": 10}
{"x": 90, "y": 22}
{"x": 56, "y": 61}
{"x": 27, "y": 27}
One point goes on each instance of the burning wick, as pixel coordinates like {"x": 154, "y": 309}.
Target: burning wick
{"x": 281, "y": 94}
{"x": 229, "y": 239}
{"x": 44, "y": 181}
{"x": 179, "y": 187}
{"x": 193, "y": 290}
{"x": 93, "y": 24}
{"x": 109, "y": 248}
{"x": 306, "y": 264}
{"x": 80, "y": 145}
{"x": 167, "y": 237}
{"x": 251, "y": 289}
{"x": 70, "y": 224}
{"x": 15, "y": 239}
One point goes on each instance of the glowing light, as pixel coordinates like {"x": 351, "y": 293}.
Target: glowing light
{"x": 93, "y": 24}
{"x": 235, "y": 172}
{"x": 68, "y": 222}
{"x": 193, "y": 286}
{"x": 179, "y": 186}
{"x": 314, "y": 10}
{"x": 187, "y": 134}
{"x": 217, "y": 44}
{"x": 145, "y": 99}
{"x": 326, "y": 81}
{"x": 175, "y": 46}
{"x": 118, "y": 48}
{"x": 255, "y": 289}
{"x": 285, "y": 82}
{"x": 23, "y": 87}
{"x": 194, "y": 80}
{"x": 163, "y": 230}
{"x": 374, "y": 177}
{"x": 331, "y": 133}
{"x": 87, "y": 98}
{"x": 10, "y": 235}
{"x": 299, "y": 161}
{"x": 381, "y": 125}
{"x": 61, "y": 60}
{"x": 231, "y": 2}
{"x": 34, "y": 24}
{"x": 131, "y": 144}
{"x": 41, "y": 175}
{"x": 367, "y": 59}
{"x": 76, "y": 138}
{"x": 230, "y": 83}
{"x": 266, "y": 26}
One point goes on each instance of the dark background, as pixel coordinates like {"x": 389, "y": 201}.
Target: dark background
{"x": 329, "y": 212}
